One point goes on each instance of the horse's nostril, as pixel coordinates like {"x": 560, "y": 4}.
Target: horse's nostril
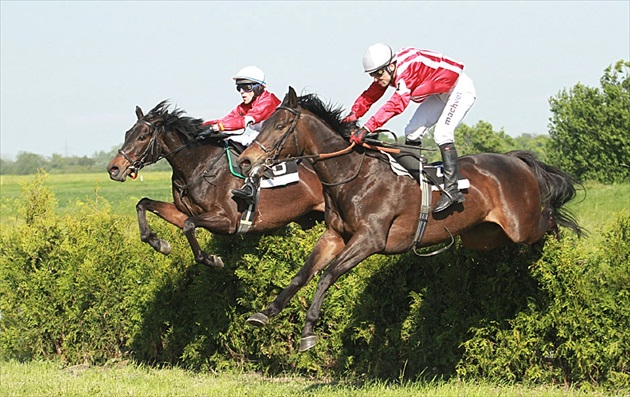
{"x": 246, "y": 165}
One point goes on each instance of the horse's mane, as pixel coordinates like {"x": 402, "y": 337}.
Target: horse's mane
{"x": 175, "y": 119}
{"x": 329, "y": 113}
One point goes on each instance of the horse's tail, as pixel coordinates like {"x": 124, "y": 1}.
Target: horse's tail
{"x": 556, "y": 187}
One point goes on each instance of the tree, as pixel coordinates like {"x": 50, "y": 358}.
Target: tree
{"x": 590, "y": 128}
{"x": 28, "y": 163}
{"x": 6, "y": 167}
{"x": 481, "y": 139}
{"x": 533, "y": 143}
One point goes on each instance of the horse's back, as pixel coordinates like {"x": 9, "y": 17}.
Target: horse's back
{"x": 505, "y": 187}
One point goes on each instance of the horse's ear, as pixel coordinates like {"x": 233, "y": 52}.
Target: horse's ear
{"x": 139, "y": 112}
{"x": 290, "y": 100}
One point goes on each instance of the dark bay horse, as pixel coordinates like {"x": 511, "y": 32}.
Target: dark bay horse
{"x": 202, "y": 183}
{"x": 512, "y": 197}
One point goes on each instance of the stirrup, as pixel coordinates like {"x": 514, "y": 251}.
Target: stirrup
{"x": 244, "y": 193}
{"x": 453, "y": 198}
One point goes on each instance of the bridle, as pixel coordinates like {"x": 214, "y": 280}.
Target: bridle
{"x": 279, "y": 144}
{"x": 151, "y": 154}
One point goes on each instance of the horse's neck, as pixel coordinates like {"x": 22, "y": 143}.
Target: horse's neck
{"x": 337, "y": 168}
{"x": 187, "y": 159}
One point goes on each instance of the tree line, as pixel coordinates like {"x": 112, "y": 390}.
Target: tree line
{"x": 589, "y": 136}
{"x": 27, "y": 163}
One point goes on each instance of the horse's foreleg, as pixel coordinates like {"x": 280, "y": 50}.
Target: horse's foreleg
{"x": 166, "y": 211}
{"x": 357, "y": 249}
{"x": 217, "y": 221}
{"x": 327, "y": 247}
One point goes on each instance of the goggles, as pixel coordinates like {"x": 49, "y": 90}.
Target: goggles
{"x": 246, "y": 87}
{"x": 378, "y": 73}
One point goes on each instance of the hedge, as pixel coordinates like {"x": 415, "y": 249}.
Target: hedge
{"x": 83, "y": 288}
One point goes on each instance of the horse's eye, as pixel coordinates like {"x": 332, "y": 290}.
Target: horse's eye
{"x": 142, "y": 137}
{"x": 280, "y": 127}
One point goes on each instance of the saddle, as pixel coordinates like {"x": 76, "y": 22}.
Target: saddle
{"x": 407, "y": 162}
{"x": 410, "y": 162}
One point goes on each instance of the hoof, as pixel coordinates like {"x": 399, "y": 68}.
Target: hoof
{"x": 165, "y": 247}
{"x": 212, "y": 261}
{"x": 258, "y": 320}
{"x": 218, "y": 262}
{"x": 308, "y": 342}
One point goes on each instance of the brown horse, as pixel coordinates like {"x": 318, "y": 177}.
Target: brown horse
{"x": 371, "y": 210}
{"x": 202, "y": 182}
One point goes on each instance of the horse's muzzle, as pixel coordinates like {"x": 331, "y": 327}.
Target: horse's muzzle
{"x": 117, "y": 173}
{"x": 246, "y": 165}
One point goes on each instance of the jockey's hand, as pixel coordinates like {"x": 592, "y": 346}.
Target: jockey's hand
{"x": 350, "y": 118}
{"x": 359, "y": 135}
{"x": 206, "y": 130}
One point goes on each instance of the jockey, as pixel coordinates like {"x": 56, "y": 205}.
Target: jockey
{"x": 246, "y": 119}
{"x": 437, "y": 83}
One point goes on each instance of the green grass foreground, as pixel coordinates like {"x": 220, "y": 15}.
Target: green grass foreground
{"x": 51, "y": 379}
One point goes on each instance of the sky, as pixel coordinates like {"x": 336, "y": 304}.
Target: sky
{"x": 72, "y": 72}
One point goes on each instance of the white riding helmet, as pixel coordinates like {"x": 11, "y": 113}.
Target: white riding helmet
{"x": 377, "y": 56}
{"x": 250, "y": 74}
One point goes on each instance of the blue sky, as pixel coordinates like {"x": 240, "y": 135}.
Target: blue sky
{"x": 73, "y": 72}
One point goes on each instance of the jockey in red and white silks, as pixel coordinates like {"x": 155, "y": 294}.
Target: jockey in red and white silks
{"x": 257, "y": 105}
{"x": 440, "y": 87}
{"x": 246, "y": 119}
{"x": 432, "y": 80}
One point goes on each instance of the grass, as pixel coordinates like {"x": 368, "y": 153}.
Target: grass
{"x": 592, "y": 207}
{"x": 597, "y": 202}
{"x": 70, "y": 188}
{"x": 51, "y": 379}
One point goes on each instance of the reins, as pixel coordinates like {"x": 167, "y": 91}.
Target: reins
{"x": 279, "y": 144}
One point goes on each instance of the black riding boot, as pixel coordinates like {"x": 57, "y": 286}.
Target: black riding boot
{"x": 451, "y": 194}
{"x": 248, "y": 191}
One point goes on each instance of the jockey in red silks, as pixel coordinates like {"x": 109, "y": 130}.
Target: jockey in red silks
{"x": 246, "y": 119}
{"x": 440, "y": 87}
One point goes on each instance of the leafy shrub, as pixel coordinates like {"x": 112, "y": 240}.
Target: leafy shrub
{"x": 84, "y": 288}
{"x": 576, "y": 328}
{"x": 75, "y": 287}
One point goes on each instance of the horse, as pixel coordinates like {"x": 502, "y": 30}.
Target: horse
{"x": 202, "y": 182}
{"x": 371, "y": 210}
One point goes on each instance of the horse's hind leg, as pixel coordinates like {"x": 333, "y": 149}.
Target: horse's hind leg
{"x": 327, "y": 247}
{"x": 484, "y": 236}
{"x": 166, "y": 211}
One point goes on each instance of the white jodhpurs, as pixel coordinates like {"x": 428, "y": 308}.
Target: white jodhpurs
{"x": 444, "y": 111}
{"x": 244, "y": 136}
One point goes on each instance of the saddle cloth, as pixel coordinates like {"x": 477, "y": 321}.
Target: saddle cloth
{"x": 279, "y": 175}
{"x": 434, "y": 170}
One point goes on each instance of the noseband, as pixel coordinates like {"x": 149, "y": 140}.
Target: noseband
{"x": 151, "y": 149}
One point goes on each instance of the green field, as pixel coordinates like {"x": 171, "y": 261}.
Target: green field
{"x": 70, "y": 188}
{"x": 49, "y": 379}
{"x": 592, "y": 206}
